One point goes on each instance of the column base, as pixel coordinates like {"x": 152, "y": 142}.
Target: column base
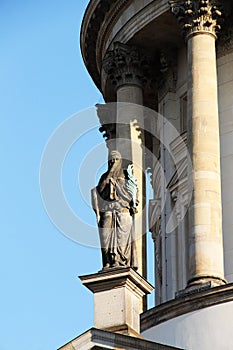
{"x": 200, "y": 280}
{"x": 199, "y": 284}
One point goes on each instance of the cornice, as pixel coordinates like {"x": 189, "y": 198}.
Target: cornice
{"x": 102, "y": 339}
{"x": 93, "y": 19}
{"x": 106, "y": 28}
{"x": 147, "y": 14}
{"x": 98, "y": 23}
{"x": 185, "y": 303}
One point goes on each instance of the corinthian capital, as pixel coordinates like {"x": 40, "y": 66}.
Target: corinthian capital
{"x": 197, "y": 15}
{"x": 125, "y": 65}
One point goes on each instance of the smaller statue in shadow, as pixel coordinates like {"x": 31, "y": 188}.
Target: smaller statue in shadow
{"x": 114, "y": 201}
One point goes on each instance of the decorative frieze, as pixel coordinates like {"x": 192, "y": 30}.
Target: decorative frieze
{"x": 126, "y": 65}
{"x": 197, "y": 15}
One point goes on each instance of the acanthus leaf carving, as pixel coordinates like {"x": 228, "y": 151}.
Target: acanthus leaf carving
{"x": 126, "y": 65}
{"x": 197, "y": 15}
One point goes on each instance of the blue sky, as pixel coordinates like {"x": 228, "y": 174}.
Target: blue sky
{"x": 43, "y": 82}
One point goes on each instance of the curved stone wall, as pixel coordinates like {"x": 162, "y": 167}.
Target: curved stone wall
{"x": 205, "y": 329}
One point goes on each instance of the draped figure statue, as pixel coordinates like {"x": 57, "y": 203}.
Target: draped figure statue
{"x": 114, "y": 201}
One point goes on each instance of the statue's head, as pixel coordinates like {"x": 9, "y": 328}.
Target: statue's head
{"x": 115, "y": 159}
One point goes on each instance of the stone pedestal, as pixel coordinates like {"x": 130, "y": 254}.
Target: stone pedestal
{"x": 117, "y": 299}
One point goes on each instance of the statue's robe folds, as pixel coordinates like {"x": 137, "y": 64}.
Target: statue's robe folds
{"x": 115, "y": 223}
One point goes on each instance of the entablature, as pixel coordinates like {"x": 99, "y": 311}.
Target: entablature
{"x": 147, "y": 24}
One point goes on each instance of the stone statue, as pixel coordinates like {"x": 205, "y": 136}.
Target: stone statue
{"x": 114, "y": 201}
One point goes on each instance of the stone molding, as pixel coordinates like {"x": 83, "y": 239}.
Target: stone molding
{"x": 118, "y": 296}
{"x": 197, "y": 16}
{"x": 98, "y": 22}
{"x": 97, "y": 339}
{"x": 126, "y": 65}
{"x": 154, "y": 217}
{"x": 155, "y": 229}
{"x": 93, "y": 19}
{"x": 178, "y": 185}
{"x": 131, "y": 26}
{"x": 187, "y": 302}
{"x": 115, "y": 277}
{"x": 156, "y": 179}
{"x": 106, "y": 28}
{"x": 179, "y": 148}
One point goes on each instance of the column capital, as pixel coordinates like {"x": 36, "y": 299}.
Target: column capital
{"x": 126, "y": 65}
{"x": 197, "y": 16}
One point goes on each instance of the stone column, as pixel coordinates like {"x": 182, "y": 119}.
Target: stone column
{"x": 125, "y": 67}
{"x": 199, "y": 20}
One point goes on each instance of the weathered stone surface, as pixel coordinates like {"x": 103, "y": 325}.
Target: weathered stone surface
{"x": 97, "y": 339}
{"x": 151, "y": 26}
{"x": 126, "y": 65}
{"x": 202, "y": 296}
{"x": 197, "y": 16}
{"x": 117, "y": 299}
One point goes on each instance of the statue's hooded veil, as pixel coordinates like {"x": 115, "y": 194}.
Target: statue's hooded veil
{"x": 118, "y": 170}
